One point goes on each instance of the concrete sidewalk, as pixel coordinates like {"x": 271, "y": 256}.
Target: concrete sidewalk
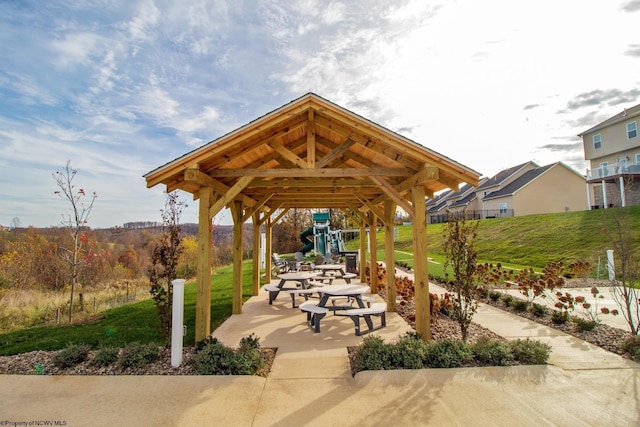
{"x": 310, "y": 384}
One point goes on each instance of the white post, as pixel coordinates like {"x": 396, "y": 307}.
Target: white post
{"x": 610, "y": 268}
{"x": 604, "y": 195}
{"x": 622, "y": 199}
{"x": 588, "y": 198}
{"x": 177, "y": 320}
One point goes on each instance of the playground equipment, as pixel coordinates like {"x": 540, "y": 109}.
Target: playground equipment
{"x": 320, "y": 238}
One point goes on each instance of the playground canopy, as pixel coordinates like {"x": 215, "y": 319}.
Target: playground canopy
{"x": 310, "y": 153}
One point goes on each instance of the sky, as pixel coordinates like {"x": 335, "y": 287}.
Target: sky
{"x": 121, "y": 87}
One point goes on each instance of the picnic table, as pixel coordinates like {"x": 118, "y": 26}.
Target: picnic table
{"x": 298, "y": 277}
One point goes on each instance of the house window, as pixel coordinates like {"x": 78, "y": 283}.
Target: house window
{"x": 503, "y": 208}
{"x": 632, "y": 130}
{"x": 597, "y": 141}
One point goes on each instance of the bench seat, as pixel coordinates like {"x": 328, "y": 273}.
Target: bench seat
{"x": 377, "y": 309}
{"x": 296, "y": 292}
{"x": 314, "y": 313}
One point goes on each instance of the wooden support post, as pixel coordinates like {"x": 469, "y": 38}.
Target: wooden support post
{"x": 389, "y": 255}
{"x": 256, "y": 254}
{"x": 268, "y": 252}
{"x": 203, "y": 292}
{"x": 373, "y": 257}
{"x": 236, "y": 213}
{"x": 363, "y": 251}
{"x": 421, "y": 272}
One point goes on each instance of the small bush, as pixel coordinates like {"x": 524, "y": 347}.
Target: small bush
{"x": 491, "y": 352}
{"x": 519, "y": 305}
{"x": 529, "y": 352}
{"x": 105, "y": 356}
{"x": 584, "y": 325}
{"x": 507, "y": 300}
{"x": 632, "y": 346}
{"x": 559, "y": 317}
{"x": 447, "y": 354}
{"x": 71, "y": 356}
{"x": 373, "y": 354}
{"x": 136, "y": 355}
{"x": 408, "y": 353}
{"x": 494, "y": 295}
{"x": 250, "y": 342}
{"x": 214, "y": 358}
{"x": 538, "y": 310}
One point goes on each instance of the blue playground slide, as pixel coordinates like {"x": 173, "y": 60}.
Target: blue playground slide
{"x": 307, "y": 238}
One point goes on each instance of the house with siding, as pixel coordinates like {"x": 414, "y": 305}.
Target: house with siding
{"x": 524, "y": 189}
{"x": 545, "y": 189}
{"x": 613, "y": 149}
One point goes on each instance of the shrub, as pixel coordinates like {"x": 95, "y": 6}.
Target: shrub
{"x": 559, "y": 317}
{"x": 214, "y": 358}
{"x": 71, "y": 356}
{"x": 250, "y": 342}
{"x": 529, "y": 352}
{"x": 632, "y": 346}
{"x": 136, "y": 355}
{"x": 491, "y": 352}
{"x": 519, "y": 305}
{"x": 507, "y": 300}
{"x": 408, "y": 353}
{"x": 373, "y": 354}
{"x": 494, "y": 295}
{"x": 584, "y": 325}
{"x": 105, "y": 356}
{"x": 447, "y": 354}
{"x": 538, "y": 310}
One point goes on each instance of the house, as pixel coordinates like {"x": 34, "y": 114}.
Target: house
{"x": 546, "y": 189}
{"x": 524, "y": 189}
{"x": 613, "y": 150}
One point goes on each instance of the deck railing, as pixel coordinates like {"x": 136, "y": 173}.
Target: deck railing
{"x": 612, "y": 170}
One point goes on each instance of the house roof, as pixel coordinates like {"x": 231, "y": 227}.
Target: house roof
{"x": 311, "y": 153}
{"x": 503, "y": 175}
{"x": 525, "y": 179}
{"x": 622, "y": 116}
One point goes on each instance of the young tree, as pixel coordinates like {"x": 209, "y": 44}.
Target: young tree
{"x": 164, "y": 261}
{"x": 461, "y": 255}
{"x": 75, "y": 222}
{"x": 627, "y": 267}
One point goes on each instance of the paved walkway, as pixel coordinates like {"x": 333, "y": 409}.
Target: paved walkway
{"x": 310, "y": 384}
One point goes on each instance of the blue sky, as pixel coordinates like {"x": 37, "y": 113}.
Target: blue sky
{"x": 122, "y": 87}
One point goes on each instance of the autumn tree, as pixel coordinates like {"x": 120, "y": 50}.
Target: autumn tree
{"x": 75, "y": 222}
{"x": 164, "y": 261}
{"x": 459, "y": 243}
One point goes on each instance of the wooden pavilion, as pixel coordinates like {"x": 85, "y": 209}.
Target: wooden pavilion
{"x": 311, "y": 153}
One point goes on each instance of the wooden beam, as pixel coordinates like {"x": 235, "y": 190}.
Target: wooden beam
{"x": 230, "y": 195}
{"x": 288, "y": 154}
{"x": 311, "y": 140}
{"x": 255, "y": 282}
{"x": 256, "y": 209}
{"x": 236, "y": 300}
{"x": 203, "y": 277}
{"x": 425, "y": 175}
{"x": 370, "y": 206}
{"x": 389, "y": 253}
{"x": 312, "y": 173}
{"x": 202, "y": 179}
{"x": 327, "y": 159}
{"x": 373, "y": 256}
{"x": 420, "y": 263}
{"x": 393, "y": 194}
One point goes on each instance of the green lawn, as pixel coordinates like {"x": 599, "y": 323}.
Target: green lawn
{"x": 129, "y": 323}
